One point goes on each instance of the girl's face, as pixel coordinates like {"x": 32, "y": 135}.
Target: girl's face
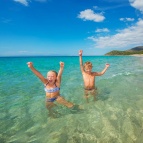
{"x": 51, "y": 76}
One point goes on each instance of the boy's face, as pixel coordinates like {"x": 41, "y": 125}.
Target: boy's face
{"x": 51, "y": 76}
{"x": 88, "y": 68}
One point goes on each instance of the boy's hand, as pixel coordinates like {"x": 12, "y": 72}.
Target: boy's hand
{"x": 107, "y": 65}
{"x": 61, "y": 64}
{"x": 80, "y": 52}
{"x": 30, "y": 64}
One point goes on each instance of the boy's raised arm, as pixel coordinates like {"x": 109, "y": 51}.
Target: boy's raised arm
{"x": 103, "y": 71}
{"x": 37, "y": 73}
{"x": 80, "y": 60}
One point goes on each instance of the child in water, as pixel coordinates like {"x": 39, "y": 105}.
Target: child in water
{"x": 89, "y": 77}
{"x": 52, "y": 87}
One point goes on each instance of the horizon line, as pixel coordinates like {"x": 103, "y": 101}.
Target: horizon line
{"x": 48, "y": 55}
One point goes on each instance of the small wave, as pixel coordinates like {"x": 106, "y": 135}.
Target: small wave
{"x": 118, "y": 74}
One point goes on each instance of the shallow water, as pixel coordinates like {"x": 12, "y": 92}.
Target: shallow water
{"x": 116, "y": 116}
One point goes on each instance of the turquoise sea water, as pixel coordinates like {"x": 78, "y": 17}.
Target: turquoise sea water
{"x": 116, "y": 116}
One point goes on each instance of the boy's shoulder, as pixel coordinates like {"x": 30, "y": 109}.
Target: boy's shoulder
{"x": 94, "y": 73}
{"x": 91, "y": 73}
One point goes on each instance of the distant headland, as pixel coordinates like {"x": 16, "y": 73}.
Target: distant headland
{"x": 134, "y": 51}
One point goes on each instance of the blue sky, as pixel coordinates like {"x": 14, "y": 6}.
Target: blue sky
{"x": 63, "y": 27}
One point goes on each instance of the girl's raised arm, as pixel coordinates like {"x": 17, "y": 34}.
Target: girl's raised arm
{"x": 59, "y": 76}
{"x": 36, "y": 72}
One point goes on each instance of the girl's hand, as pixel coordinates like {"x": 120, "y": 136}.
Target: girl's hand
{"x": 80, "y": 52}
{"x": 30, "y": 64}
{"x": 62, "y": 64}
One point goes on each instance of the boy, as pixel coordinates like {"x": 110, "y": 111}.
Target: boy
{"x": 89, "y": 77}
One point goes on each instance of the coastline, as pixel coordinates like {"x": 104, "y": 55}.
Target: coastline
{"x": 137, "y": 55}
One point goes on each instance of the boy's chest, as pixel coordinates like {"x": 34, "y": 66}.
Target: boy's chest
{"x": 88, "y": 77}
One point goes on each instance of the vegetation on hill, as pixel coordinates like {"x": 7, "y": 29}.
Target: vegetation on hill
{"x": 136, "y": 50}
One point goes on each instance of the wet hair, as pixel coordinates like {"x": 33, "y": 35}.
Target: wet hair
{"x": 54, "y": 72}
{"x": 87, "y": 64}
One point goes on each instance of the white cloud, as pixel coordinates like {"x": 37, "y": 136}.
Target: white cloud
{"x": 124, "y": 38}
{"x": 102, "y": 30}
{"x": 138, "y": 4}
{"x": 89, "y": 14}
{"x": 6, "y": 20}
{"x": 41, "y": 0}
{"x": 22, "y": 51}
{"x": 24, "y": 2}
{"x": 127, "y": 19}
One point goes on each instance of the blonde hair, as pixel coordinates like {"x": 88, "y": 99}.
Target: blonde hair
{"x": 87, "y": 64}
{"x": 53, "y": 72}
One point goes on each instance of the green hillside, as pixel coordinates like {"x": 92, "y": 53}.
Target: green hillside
{"x": 135, "y": 50}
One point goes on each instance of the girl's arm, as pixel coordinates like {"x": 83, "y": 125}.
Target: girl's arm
{"x": 59, "y": 76}
{"x": 80, "y": 61}
{"x": 37, "y": 73}
{"x": 103, "y": 71}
